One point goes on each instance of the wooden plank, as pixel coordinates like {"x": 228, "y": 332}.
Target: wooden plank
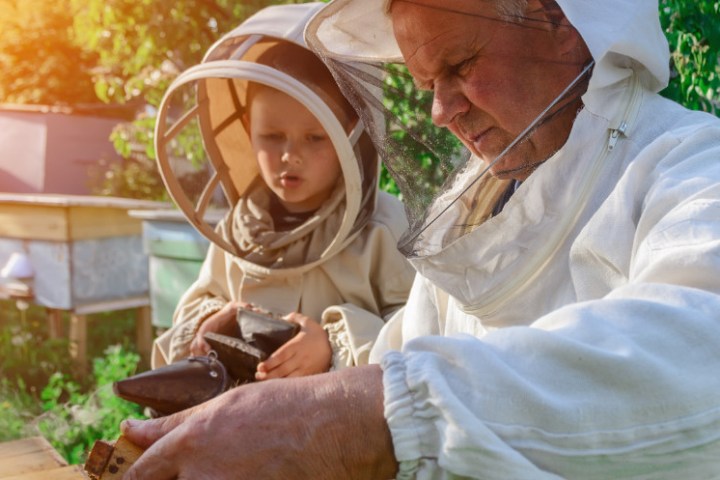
{"x": 97, "y": 222}
{"x": 28, "y": 455}
{"x": 25, "y": 446}
{"x": 55, "y": 323}
{"x": 144, "y": 334}
{"x": 64, "y": 200}
{"x": 70, "y": 472}
{"x": 34, "y": 222}
{"x": 78, "y": 343}
{"x": 111, "y": 305}
{"x": 110, "y": 461}
{"x": 63, "y": 223}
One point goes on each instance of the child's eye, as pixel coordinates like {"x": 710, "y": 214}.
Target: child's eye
{"x": 316, "y": 137}
{"x": 272, "y": 137}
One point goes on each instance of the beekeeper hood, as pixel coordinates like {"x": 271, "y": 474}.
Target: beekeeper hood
{"x": 206, "y": 158}
{"x": 440, "y": 181}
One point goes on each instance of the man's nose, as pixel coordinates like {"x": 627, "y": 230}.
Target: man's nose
{"x": 449, "y": 101}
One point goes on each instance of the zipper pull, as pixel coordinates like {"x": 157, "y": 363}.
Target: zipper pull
{"x": 615, "y": 135}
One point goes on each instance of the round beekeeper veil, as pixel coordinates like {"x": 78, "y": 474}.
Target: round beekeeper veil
{"x": 202, "y": 140}
{"x": 447, "y": 191}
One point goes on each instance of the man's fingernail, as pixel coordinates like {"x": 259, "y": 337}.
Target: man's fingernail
{"x": 129, "y": 424}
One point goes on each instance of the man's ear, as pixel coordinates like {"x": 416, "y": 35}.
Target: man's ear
{"x": 552, "y": 12}
{"x": 570, "y": 41}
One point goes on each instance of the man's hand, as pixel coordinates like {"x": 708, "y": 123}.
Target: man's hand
{"x": 319, "y": 427}
{"x": 223, "y": 321}
{"x": 307, "y": 353}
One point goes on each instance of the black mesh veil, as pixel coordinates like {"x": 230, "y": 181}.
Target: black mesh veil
{"x": 419, "y": 156}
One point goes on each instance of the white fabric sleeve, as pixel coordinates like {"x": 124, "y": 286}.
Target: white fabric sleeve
{"x": 352, "y": 332}
{"x": 624, "y": 386}
{"x": 621, "y": 376}
{"x": 353, "y": 329}
{"x": 406, "y": 323}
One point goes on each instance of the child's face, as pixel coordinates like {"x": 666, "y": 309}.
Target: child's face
{"x": 297, "y": 160}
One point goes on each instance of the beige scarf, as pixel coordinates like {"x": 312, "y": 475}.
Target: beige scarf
{"x": 254, "y": 233}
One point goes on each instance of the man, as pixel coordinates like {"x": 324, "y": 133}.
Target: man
{"x": 588, "y": 302}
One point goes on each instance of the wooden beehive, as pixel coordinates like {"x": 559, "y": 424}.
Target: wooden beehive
{"x": 85, "y": 251}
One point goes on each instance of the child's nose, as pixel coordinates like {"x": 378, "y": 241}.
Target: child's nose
{"x": 291, "y": 153}
{"x": 291, "y": 157}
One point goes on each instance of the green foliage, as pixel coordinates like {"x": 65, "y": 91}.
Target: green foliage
{"x": 693, "y": 31}
{"x": 75, "y": 51}
{"x": 134, "y": 178}
{"x": 387, "y": 183}
{"x": 27, "y": 355}
{"x": 17, "y": 409}
{"x": 111, "y": 328}
{"x": 412, "y": 135}
{"x": 137, "y": 176}
{"x": 139, "y": 46}
{"x": 40, "y": 61}
{"x": 142, "y": 45}
{"x": 74, "y": 419}
{"x": 39, "y": 395}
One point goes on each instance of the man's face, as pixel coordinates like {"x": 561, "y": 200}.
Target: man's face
{"x": 491, "y": 78}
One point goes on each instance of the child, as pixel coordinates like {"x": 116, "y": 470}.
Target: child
{"x": 310, "y": 235}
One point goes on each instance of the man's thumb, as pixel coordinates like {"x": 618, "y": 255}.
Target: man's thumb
{"x": 144, "y": 433}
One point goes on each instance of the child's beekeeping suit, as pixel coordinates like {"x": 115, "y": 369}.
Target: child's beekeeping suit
{"x": 341, "y": 266}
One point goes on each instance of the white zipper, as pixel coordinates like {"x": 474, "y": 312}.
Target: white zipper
{"x": 494, "y": 300}
{"x": 615, "y": 135}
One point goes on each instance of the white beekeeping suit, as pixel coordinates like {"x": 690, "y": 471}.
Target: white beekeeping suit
{"x": 575, "y": 334}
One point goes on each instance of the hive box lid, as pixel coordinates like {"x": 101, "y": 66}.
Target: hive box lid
{"x": 69, "y": 217}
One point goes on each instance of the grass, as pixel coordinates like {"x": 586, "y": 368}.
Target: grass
{"x": 41, "y": 395}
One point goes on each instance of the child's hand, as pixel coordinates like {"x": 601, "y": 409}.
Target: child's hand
{"x": 306, "y": 353}
{"x": 223, "y": 321}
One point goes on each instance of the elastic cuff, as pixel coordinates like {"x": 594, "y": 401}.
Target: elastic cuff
{"x": 408, "y": 470}
{"x": 340, "y": 344}
{"x": 210, "y": 307}
{"x": 181, "y": 339}
{"x": 406, "y": 431}
{"x": 185, "y": 332}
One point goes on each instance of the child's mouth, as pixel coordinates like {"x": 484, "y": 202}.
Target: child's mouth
{"x": 289, "y": 180}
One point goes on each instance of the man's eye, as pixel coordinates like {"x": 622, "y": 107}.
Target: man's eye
{"x": 464, "y": 67}
{"x": 425, "y": 86}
